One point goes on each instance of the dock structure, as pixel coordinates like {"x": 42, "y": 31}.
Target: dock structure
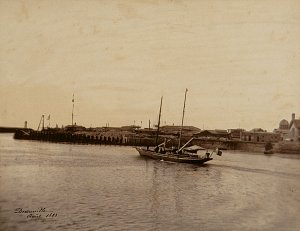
{"x": 113, "y": 138}
{"x": 84, "y": 137}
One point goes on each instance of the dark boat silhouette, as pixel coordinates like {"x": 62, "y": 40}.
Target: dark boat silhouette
{"x": 268, "y": 148}
{"x": 182, "y": 154}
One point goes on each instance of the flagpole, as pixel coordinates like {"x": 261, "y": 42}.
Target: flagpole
{"x": 73, "y": 109}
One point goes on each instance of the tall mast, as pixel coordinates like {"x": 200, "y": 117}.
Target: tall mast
{"x": 180, "y": 134}
{"x": 43, "y": 122}
{"x": 73, "y": 109}
{"x": 156, "y": 140}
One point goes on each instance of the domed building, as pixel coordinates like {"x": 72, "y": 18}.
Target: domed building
{"x": 283, "y": 129}
{"x": 284, "y": 125}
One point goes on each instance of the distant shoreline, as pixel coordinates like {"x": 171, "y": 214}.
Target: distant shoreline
{"x": 133, "y": 139}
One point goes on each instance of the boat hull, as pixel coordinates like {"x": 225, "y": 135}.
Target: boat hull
{"x": 269, "y": 152}
{"x": 172, "y": 157}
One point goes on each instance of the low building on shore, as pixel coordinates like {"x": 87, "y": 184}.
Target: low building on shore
{"x": 236, "y": 133}
{"x": 74, "y": 128}
{"x": 213, "y": 134}
{"x": 260, "y": 136}
{"x": 131, "y": 128}
{"x": 175, "y": 130}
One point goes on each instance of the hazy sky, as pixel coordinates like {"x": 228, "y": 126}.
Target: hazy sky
{"x": 240, "y": 61}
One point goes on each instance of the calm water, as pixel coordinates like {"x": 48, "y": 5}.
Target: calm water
{"x": 112, "y": 188}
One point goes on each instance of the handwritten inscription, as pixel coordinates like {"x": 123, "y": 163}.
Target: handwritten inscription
{"x": 36, "y": 213}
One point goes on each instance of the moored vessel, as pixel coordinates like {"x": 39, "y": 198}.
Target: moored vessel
{"x": 182, "y": 154}
{"x": 268, "y": 148}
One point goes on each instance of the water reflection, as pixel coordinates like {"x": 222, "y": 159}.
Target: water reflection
{"x": 113, "y": 188}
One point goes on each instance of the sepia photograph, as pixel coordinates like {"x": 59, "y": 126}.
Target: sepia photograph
{"x": 149, "y": 115}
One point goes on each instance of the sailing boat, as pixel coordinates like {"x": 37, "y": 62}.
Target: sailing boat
{"x": 182, "y": 154}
